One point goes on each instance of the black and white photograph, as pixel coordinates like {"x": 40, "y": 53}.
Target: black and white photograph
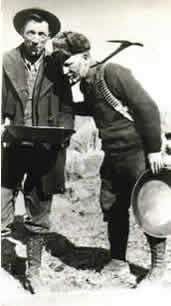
{"x": 85, "y": 152}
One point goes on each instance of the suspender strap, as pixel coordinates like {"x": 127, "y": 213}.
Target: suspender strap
{"x": 103, "y": 90}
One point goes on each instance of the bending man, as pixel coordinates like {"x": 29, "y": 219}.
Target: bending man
{"x": 129, "y": 126}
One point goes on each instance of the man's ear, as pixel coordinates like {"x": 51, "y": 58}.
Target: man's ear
{"x": 86, "y": 55}
{"x": 22, "y": 32}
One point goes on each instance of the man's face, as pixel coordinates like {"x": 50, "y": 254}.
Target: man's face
{"x": 35, "y": 35}
{"x": 77, "y": 66}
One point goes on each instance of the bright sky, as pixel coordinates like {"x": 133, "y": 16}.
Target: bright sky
{"x": 146, "y": 21}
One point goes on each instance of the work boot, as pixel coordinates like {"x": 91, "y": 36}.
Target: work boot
{"x": 157, "y": 270}
{"x": 117, "y": 267}
{"x": 120, "y": 269}
{"x": 8, "y": 254}
{"x": 34, "y": 254}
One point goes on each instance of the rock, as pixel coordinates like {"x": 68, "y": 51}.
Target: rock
{"x": 86, "y": 136}
{"x": 92, "y": 162}
{"x": 74, "y": 164}
{"x": 84, "y": 164}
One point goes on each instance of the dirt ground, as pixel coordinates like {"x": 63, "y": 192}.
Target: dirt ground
{"x": 77, "y": 250}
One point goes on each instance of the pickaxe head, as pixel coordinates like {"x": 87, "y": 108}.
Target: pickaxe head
{"x": 126, "y": 43}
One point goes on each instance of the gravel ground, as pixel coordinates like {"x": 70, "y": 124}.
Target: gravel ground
{"x": 77, "y": 250}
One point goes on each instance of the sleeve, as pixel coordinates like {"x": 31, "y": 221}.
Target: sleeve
{"x": 142, "y": 107}
{"x": 66, "y": 108}
{"x": 3, "y": 97}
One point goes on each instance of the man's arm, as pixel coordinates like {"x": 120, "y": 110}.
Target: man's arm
{"x": 143, "y": 109}
{"x": 66, "y": 109}
{"x": 3, "y": 97}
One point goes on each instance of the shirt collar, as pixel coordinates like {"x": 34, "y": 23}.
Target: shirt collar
{"x": 29, "y": 66}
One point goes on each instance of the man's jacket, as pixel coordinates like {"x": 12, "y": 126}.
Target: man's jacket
{"x": 51, "y": 100}
{"x": 118, "y": 133}
{"x": 51, "y": 105}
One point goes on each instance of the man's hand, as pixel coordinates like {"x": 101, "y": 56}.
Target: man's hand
{"x": 156, "y": 162}
{"x": 6, "y": 122}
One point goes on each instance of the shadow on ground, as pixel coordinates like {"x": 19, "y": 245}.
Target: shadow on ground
{"x": 59, "y": 246}
{"x": 84, "y": 257}
{"x": 78, "y": 257}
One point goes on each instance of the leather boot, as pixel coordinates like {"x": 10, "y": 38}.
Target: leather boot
{"x": 34, "y": 254}
{"x": 157, "y": 270}
{"x": 8, "y": 254}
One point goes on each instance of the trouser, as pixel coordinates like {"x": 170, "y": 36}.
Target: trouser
{"x": 119, "y": 173}
{"x": 25, "y": 162}
{"x": 37, "y": 210}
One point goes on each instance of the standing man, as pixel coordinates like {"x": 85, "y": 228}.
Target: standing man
{"x": 129, "y": 126}
{"x": 30, "y": 97}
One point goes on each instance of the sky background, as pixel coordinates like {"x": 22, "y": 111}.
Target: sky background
{"x": 146, "y": 21}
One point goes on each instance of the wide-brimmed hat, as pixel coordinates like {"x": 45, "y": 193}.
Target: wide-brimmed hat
{"x": 21, "y": 17}
{"x": 151, "y": 202}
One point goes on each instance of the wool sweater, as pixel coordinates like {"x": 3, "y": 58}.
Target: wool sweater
{"x": 118, "y": 134}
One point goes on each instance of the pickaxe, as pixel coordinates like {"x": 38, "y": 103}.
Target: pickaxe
{"x": 123, "y": 45}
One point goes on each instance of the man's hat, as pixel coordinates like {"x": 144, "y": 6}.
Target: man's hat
{"x": 71, "y": 42}
{"x": 151, "y": 202}
{"x": 21, "y": 17}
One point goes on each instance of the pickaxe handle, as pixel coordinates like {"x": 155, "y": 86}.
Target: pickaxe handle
{"x": 124, "y": 44}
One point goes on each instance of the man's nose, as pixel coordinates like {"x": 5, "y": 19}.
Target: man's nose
{"x": 66, "y": 69}
{"x": 35, "y": 39}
